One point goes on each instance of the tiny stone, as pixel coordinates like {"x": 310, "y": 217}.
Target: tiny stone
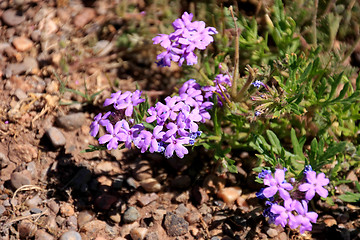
{"x": 229, "y": 194}
{"x": 283, "y": 236}
{"x": 12, "y": 18}
{"x": 329, "y": 220}
{"x": 142, "y": 170}
{"x": 19, "y": 179}
{"x": 193, "y": 217}
{"x": 42, "y": 235}
{"x": 147, "y": 199}
{"x": 85, "y": 217}
{"x": 103, "y": 167}
{"x": 150, "y": 185}
{"x": 67, "y": 210}
{"x": 4, "y": 161}
{"x": 2, "y": 209}
{"x": 132, "y": 182}
{"x": 54, "y": 207}
{"x": 115, "y": 216}
{"x": 70, "y": 235}
{"x": 174, "y": 225}
{"x": 271, "y": 232}
{"x": 126, "y": 228}
{"x": 71, "y": 121}
{"x": 72, "y": 223}
{"x": 26, "y": 229}
{"x": 181, "y": 210}
{"x": 158, "y": 214}
{"x": 183, "y": 197}
{"x": 33, "y": 202}
{"x": 22, "y": 44}
{"x": 57, "y": 138}
{"x": 35, "y": 35}
{"x": 138, "y": 233}
{"x": 35, "y": 210}
{"x": 86, "y": 15}
{"x": 131, "y": 215}
{"x": 20, "y": 94}
{"x": 152, "y": 236}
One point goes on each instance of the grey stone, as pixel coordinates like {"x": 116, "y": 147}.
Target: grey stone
{"x": 131, "y": 215}
{"x": 42, "y": 235}
{"x": 71, "y": 121}
{"x": 85, "y": 217}
{"x": 4, "y": 161}
{"x": 152, "y": 236}
{"x": 20, "y": 94}
{"x": 35, "y": 210}
{"x": 33, "y": 202}
{"x": 12, "y": 17}
{"x": 70, "y": 235}
{"x": 19, "y": 179}
{"x": 26, "y": 229}
{"x": 103, "y": 48}
{"x": 181, "y": 210}
{"x": 175, "y": 226}
{"x": 72, "y": 223}
{"x": 26, "y": 66}
{"x": 54, "y": 207}
{"x": 2, "y": 209}
{"x": 56, "y": 137}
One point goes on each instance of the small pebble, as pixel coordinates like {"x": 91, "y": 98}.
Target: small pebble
{"x": 26, "y": 229}
{"x": 175, "y": 226}
{"x": 34, "y": 201}
{"x": 19, "y": 179}
{"x": 152, "y": 236}
{"x": 181, "y": 210}
{"x": 131, "y": 215}
{"x": 70, "y": 235}
{"x": 22, "y": 44}
{"x": 54, "y": 207}
{"x": 86, "y": 15}
{"x": 12, "y": 17}
{"x": 20, "y": 94}
{"x": 142, "y": 170}
{"x": 71, "y": 223}
{"x": 150, "y": 185}
{"x": 193, "y": 217}
{"x": 115, "y": 216}
{"x": 271, "y": 232}
{"x": 42, "y": 235}
{"x": 71, "y": 121}
{"x": 2, "y": 209}
{"x": 67, "y": 210}
{"x": 147, "y": 199}
{"x": 132, "y": 182}
{"x": 85, "y": 217}
{"x": 229, "y": 194}
{"x": 56, "y": 137}
{"x": 138, "y": 233}
{"x": 103, "y": 167}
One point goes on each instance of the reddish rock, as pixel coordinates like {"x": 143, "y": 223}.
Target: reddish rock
{"x": 22, "y": 44}
{"x": 84, "y": 17}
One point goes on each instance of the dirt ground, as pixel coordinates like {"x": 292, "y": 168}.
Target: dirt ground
{"x": 51, "y": 189}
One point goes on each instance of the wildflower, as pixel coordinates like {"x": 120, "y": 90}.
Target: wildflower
{"x": 156, "y": 135}
{"x": 314, "y": 184}
{"x": 99, "y": 120}
{"x": 176, "y": 144}
{"x": 258, "y": 84}
{"x": 284, "y": 213}
{"x": 127, "y": 134}
{"x": 112, "y": 137}
{"x": 304, "y": 218}
{"x": 263, "y": 173}
{"x": 277, "y": 184}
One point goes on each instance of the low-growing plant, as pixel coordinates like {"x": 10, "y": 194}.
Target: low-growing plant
{"x": 283, "y": 93}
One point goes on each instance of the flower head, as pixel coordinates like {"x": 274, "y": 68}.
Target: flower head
{"x": 314, "y": 185}
{"x": 277, "y": 184}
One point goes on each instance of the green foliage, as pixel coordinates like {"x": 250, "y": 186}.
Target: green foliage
{"x": 351, "y": 197}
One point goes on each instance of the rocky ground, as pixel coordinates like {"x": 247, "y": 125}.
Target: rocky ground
{"x": 51, "y": 189}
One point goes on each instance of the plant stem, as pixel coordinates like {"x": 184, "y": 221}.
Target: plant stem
{"x": 314, "y": 23}
{"x": 247, "y": 83}
{"x": 236, "y": 63}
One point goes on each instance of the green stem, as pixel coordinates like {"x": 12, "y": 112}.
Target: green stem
{"x": 314, "y": 23}
{"x": 236, "y": 63}
{"x": 247, "y": 83}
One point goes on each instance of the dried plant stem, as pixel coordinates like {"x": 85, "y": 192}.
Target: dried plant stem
{"x": 247, "y": 83}
{"x": 236, "y": 62}
{"x": 314, "y": 23}
{"x": 353, "y": 47}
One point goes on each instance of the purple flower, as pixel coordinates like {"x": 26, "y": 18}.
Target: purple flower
{"x": 99, "y": 120}
{"x": 127, "y": 134}
{"x": 314, "y": 184}
{"x": 284, "y": 213}
{"x": 304, "y": 218}
{"x": 176, "y": 144}
{"x": 156, "y": 135}
{"x": 263, "y": 173}
{"x": 277, "y": 184}
{"x": 112, "y": 137}
{"x": 142, "y": 141}
{"x": 258, "y": 84}
{"x": 127, "y": 101}
{"x": 307, "y": 168}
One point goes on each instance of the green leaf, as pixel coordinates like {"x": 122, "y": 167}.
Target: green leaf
{"x": 334, "y": 85}
{"x": 297, "y": 148}
{"x": 350, "y": 197}
{"x": 275, "y": 142}
{"x": 333, "y": 149}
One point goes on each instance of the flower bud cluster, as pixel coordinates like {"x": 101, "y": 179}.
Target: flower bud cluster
{"x": 180, "y": 44}
{"x": 288, "y": 201}
{"x": 176, "y": 121}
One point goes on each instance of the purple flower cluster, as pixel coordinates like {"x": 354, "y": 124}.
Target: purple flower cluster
{"x": 221, "y": 83}
{"x": 290, "y": 205}
{"x": 176, "y": 121}
{"x": 180, "y": 44}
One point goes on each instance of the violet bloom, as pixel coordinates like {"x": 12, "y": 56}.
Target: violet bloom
{"x": 258, "y": 84}
{"x": 142, "y": 141}
{"x": 128, "y": 101}
{"x": 304, "y": 218}
{"x": 127, "y": 134}
{"x": 284, "y": 213}
{"x": 176, "y": 144}
{"x": 277, "y": 184}
{"x": 314, "y": 184}
{"x": 112, "y": 137}
{"x": 264, "y": 173}
{"x": 156, "y": 135}
{"x": 99, "y": 120}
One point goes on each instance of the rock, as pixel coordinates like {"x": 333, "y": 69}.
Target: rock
{"x": 20, "y": 94}
{"x": 132, "y": 182}
{"x": 22, "y": 44}
{"x": 103, "y": 167}
{"x": 131, "y": 215}
{"x": 175, "y": 226}
{"x": 24, "y": 152}
{"x": 126, "y": 228}
{"x": 94, "y": 227}
{"x": 158, "y": 214}
{"x": 29, "y": 65}
{"x": 115, "y": 216}
{"x": 35, "y": 35}
{"x": 142, "y": 170}
{"x": 33, "y": 169}
{"x": 329, "y": 220}
{"x": 271, "y": 232}
{"x": 2, "y": 210}
{"x": 33, "y": 202}
{"x": 71, "y": 121}
{"x": 19, "y": 179}
{"x": 86, "y": 15}
{"x": 199, "y": 195}
{"x": 283, "y": 236}
{"x": 105, "y": 201}
{"x": 193, "y": 217}
{"x": 26, "y": 229}
{"x": 70, "y": 235}
{"x": 12, "y": 17}
{"x": 213, "y": 183}
{"x": 4, "y": 161}
{"x": 229, "y": 194}
{"x": 151, "y": 236}
{"x": 67, "y": 209}
{"x": 181, "y": 210}
{"x": 71, "y": 223}
{"x": 182, "y": 197}
{"x": 181, "y": 182}
{"x": 42, "y": 235}
{"x": 54, "y": 207}
{"x": 56, "y": 137}
{"x": 138, "y": 233}
{"x": 85, "y": 217}
{"x": 150, "y": 185}
{"x": 147, "y": 199}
